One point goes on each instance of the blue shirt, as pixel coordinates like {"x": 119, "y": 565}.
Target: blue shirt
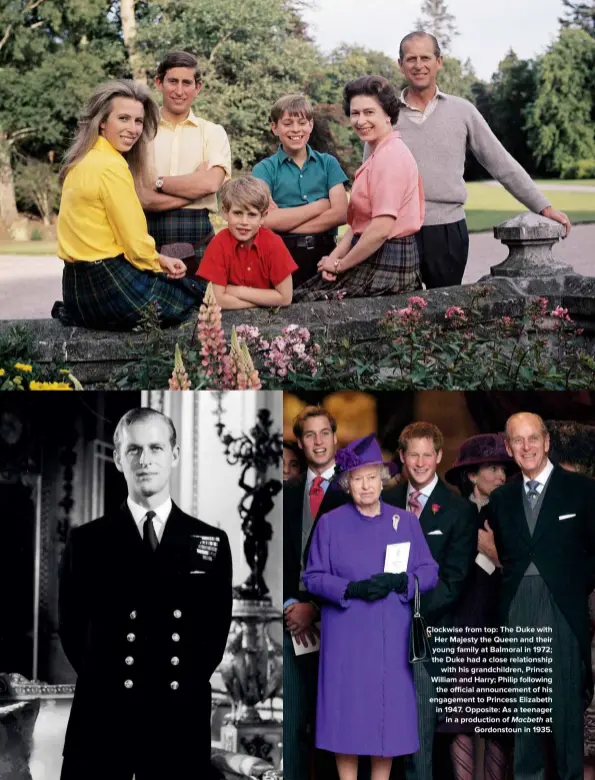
{"x": 291, "y": 185}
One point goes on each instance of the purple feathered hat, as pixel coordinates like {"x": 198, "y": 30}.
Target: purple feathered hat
{"x": 485, "y": 449}
{"x": 362, "y": 452}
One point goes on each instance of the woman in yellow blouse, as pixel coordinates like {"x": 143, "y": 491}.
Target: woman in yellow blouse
{"x": 112, "y": 270}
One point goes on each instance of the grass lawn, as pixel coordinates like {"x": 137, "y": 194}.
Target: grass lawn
{"x": 27, "y": 247}
{"x": 487, "y": 205}
{"x": 542, "y": 183}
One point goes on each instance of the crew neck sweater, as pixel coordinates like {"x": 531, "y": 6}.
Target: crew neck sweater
{"x": 439, "y": 145}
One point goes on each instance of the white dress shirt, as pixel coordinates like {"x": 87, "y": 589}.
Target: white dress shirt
{"x": 139, "y": 513}
{"x": 541, "y": 478}
{"x": 326, "y": 476}
{"x": 425, "y": 491}
{"x": 418, "y": 115}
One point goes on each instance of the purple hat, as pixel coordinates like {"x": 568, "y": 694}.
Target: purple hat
{"x": 362, "y": 452}
{"x": 486, "y": 449}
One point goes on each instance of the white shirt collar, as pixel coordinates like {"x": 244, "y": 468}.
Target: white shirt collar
{"x": 542, "y": 477}
{"x": 405, "y": 93}
{"x": 326, "y": 475}
{"x": 139, "y": 513}
{"x": 426, "y": 490}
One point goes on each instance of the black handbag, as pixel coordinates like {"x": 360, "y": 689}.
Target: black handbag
{"x": 420, "y": 650}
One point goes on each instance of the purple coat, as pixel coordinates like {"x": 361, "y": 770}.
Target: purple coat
{"x": 366, "y": 697}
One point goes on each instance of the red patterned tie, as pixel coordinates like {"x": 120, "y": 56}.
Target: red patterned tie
{"x": 414, "y": 503}
{"x": 316, "y": 495}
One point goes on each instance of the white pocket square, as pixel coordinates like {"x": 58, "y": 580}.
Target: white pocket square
{"x": 435, "y": 533}
{"x": 566, "y": 517}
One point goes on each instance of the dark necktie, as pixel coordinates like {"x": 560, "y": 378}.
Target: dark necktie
{"x": 149, "y": 536}
{"x": 532, "y": 492}
{"x": 316, "y": 496}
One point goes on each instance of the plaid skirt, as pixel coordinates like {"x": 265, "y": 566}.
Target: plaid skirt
{"x": 393, "y": 268}
{"x": 111, "y": 294}
{"x": 181, "y": 226}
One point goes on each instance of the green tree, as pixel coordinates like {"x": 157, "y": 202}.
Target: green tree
{"x": 513, "y": 90}
{"x": 457, "y": 78}
{"x": 560, "y": 122}
{"x": 52, "y": 54}
{"x": 437, "y": 20}
{"x": 250, "y": 55}
{"x": 580, "y": 15}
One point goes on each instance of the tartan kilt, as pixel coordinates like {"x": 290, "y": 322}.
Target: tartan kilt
{"x": 391, "y": 269}
{"x": 111, "y": 294}
{"x": 181, "y": 226}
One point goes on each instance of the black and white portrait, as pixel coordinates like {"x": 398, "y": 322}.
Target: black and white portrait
{"x": 140, "y": 572}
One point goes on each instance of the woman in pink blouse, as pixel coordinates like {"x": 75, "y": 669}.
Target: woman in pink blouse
{"x": 377, "y": 255}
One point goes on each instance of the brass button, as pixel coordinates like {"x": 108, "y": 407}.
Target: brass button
{"x": 129, "y": 660}
{"x": 175, "y": 637}
{"x": 133, "y": 614}
{"x": 177, "y": 613}
{"x": 130, "y": 637}
{"x": 175, "y": 660}
{"x": 128, "y": 683}
{"x": 174, "y": 685}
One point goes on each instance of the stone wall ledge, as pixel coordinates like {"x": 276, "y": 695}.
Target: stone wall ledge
{"x": 93, "y": 355}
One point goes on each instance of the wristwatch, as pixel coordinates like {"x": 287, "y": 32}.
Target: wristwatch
{"x": 159, "y": 183}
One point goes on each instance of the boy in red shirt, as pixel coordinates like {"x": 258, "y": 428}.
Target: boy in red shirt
{"x": 248, "y": 264}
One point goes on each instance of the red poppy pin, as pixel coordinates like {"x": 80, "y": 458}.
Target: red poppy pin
{"x": 435, "y": 508}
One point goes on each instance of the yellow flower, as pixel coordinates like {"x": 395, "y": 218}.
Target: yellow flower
{"x": 2, "y": 372}
{"x": 23, "y": 367}
{"x": 49, "y": 386}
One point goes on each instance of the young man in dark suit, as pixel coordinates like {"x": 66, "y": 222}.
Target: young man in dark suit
{"x": 304, "y": 500}
{"x": 145, "y": 608}
{"x": 449, "y": 526}
{"x": 544, "y": 529}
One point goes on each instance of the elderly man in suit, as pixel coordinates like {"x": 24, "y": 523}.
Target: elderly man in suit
{"x": 449, "y": 526}
{"x": 305, "y": 498}
{"x": 544, "y": 527}
{"x": 145, "y": 608}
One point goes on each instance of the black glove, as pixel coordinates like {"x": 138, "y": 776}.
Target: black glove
{"x": 390, "y": 582}
{"x": 365, "y": 590}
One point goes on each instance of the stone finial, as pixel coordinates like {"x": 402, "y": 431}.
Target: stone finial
{"x": 530, "y": 238}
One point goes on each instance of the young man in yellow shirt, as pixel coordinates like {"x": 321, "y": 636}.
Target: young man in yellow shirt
{"x": 192, "y": 159}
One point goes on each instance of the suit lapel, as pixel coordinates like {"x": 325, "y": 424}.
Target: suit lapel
{"x": 552, "y": 502}
{"x": 440, "y": 496}
{"x": 175, "y": 530}
{"x": 516, "y": 511}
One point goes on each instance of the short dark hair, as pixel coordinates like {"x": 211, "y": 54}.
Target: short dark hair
{"x": 140, "y": 415}
{"x": 377, "y": 87}
{"x": 421, "y": 430}
{"x": 419, "y": 34}
{"x": 306, "y": 414}
{"x": 179, "y": 59}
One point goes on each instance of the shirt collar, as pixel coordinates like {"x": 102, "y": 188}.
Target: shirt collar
{"x": 542, "y": 477}
{"x": 103, "y": 145}
{"x": 283, "y": 156}
{"x": 139, "y": 512}
{"x": 405, "y": 93}
{"x": 426, "y": 490}
{"x": 255, "y": 241}
{"x": 326, "y": 475}
{"x": 191, "y": 119}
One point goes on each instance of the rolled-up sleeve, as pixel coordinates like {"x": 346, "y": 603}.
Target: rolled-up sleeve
{"x": 218, "y": 151}
{"x": 127, "y": 218}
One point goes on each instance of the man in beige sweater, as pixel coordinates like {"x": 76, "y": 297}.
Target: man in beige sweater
{"x": 438, "y": 129}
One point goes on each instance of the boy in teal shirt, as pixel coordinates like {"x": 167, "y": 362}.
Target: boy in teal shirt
{"x": 307, "y": 188}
